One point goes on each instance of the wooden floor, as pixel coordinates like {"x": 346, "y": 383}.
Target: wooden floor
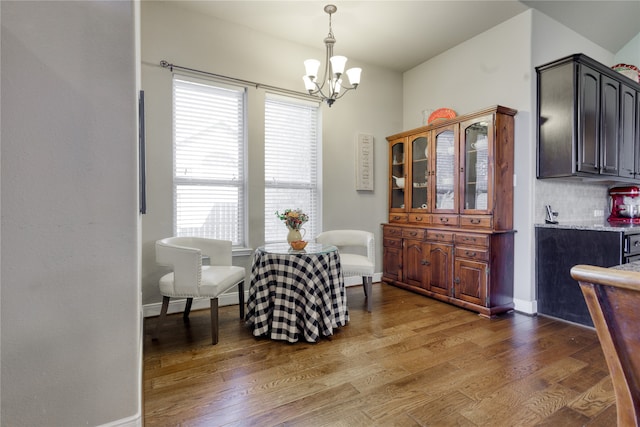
{"x": 413, "y": 361}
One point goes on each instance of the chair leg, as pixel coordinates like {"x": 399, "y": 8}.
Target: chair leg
{"x": 163, "y": 314}
{"x": 367, "y": 283}
{"x": 187, "y": 309}
{"x": 214, "y": 321}
{"x": 241, "y": 298}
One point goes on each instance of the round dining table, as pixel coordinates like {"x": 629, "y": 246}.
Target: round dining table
{"x": 296, "y": 294}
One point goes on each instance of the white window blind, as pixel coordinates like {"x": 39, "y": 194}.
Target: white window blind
{"x": 208, "y": 179}
{"x": 291, "y": 157}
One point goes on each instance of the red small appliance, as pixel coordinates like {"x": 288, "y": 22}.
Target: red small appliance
{"x": 625, "y": 205}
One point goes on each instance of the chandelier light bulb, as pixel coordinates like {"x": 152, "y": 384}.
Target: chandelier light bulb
{"x": 354, "y": 75}
{"x": 337, "y": 64}
{"x": 336, "y": 84}
{"x": 309, "y": 85}
{"x": 311, "y": 66}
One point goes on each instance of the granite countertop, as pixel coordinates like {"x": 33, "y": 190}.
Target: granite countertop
{"x": 595, "y": 225}
{"x": 631, "y": 266}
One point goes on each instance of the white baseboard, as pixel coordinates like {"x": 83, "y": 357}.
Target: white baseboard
{"x": 524, "y": 306}
{"x": 133, "y": 421}
{"x": 177, "y": 305}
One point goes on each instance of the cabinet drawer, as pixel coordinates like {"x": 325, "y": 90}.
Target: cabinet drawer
{"x": 392, "y": 232}
{"x": 439, "y": 236}
{"x": 472, "y": 239}
{"x": 445, "y": 219}
{"x": 478, "y": 221}
{"x": 632, "y": 244}
{"x": 392, "y": 243}
{"x": 472, "y": 253}
{"x": 420, "y": 218}
{"x": 413, "y": 233}
{"x": 398, "y": 217}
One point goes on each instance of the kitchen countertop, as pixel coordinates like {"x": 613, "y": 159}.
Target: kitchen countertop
{"x": 631, "y": 266}
{"x": 601, "y": 225}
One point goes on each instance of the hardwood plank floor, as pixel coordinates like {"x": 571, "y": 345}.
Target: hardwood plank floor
{"x": 413, "y": 361}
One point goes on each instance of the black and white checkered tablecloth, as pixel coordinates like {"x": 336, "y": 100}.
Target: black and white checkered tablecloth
{"x": 296, "y": 294}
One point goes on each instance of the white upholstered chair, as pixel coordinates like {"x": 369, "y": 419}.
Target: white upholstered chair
{"x": 357, "y": 255}
{"x": 190, "y": 279}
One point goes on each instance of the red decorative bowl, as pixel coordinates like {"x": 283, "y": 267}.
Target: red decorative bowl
{"x": 441, "y": 114}
{"x": 298, "y": 245}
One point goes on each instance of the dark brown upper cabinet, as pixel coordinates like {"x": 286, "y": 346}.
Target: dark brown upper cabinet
{"x": 587, "y": 120}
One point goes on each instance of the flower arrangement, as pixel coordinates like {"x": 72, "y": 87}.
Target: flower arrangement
{"x": 293, "y": 218}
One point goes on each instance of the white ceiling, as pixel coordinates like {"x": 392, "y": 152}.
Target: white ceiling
{"x": 402, "y": 34}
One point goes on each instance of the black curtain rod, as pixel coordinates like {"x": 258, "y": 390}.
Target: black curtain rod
{"x": 166, "y": 64}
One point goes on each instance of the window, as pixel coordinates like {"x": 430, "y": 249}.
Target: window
{"x": 291, "y": 156}
{"x": 208, "y": 174}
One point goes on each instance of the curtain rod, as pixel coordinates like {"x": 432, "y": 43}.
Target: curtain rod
{"x": 166, "y": 64}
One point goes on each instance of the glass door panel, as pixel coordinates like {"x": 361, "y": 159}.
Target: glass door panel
{"x": 398, "y": 173}
{"x": 476, "y": 170}
{"x": 445, "y": 154}
{"x": 419, "y": 172}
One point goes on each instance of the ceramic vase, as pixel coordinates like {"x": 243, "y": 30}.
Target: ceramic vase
{"x": 293, "y": 235}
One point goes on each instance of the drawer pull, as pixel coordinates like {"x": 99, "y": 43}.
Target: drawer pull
{"x": 425, "y": 262}
{"x": 443, "y": 219}
{"x": 636, "y": 243}
{"x": 470, "y": 254}
{"x": 418, "y": 218}
{"x": 469, "y": 239}
{"x": 475, "y": 221}
{"x": 440, "y": 236}
{"x": 396, "y": 217}
{"x": 413, "y": 234}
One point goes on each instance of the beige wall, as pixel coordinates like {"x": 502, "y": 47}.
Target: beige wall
{"x": 205, "y": 43}
{"x": 71, "y": 323}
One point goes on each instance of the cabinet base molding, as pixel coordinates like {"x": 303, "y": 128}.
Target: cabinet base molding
{"x": 487, "y": 312}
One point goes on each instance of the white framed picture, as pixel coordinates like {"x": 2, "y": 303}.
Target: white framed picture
{"x": 364, "y": 162}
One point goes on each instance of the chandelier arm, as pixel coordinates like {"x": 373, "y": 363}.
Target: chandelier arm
{"x": 341, "y": 94}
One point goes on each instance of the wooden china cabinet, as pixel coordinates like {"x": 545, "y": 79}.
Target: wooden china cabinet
{"x": 450, "y": 230}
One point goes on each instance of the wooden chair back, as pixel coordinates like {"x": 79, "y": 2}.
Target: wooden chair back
{"x": 613, "y": 298}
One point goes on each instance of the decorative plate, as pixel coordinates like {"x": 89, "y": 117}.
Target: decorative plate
{"x": 630, "y": 71}
{"x": 441, "y": 114}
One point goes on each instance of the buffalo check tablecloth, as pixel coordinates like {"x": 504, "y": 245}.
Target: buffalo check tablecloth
{"x": 296, "y": 294}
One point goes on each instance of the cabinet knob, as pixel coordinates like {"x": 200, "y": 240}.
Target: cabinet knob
{"x": 456, "y": 280}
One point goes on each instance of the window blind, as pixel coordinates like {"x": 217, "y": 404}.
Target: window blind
{"x": 208, "y": 178}
{"x": 291, "y": 164}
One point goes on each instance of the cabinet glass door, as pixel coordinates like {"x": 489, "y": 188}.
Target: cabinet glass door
{"x": 398, "y": 175}
{"x": 419, "y": 172}
{"x": 476, "y": 165}
{"x": 445, "y": 195}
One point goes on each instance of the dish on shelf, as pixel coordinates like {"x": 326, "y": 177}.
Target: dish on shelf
{"x": 480, "y": 144}
{"x": 441, "y": 114}
{"x": 630, "y": 71}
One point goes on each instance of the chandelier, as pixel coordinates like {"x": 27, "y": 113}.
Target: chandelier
{"x": 333, "y": 71}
